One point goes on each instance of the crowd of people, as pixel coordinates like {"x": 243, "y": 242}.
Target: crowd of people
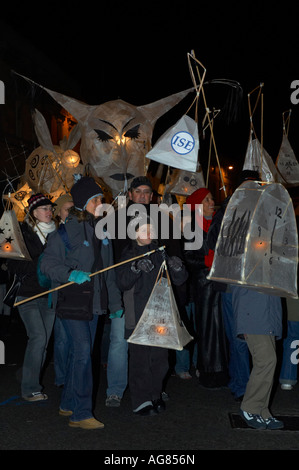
{"x": 234, "y": 328}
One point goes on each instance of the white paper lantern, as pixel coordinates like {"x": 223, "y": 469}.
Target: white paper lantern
{"x": 70, "y": 159}
{"x": 160, "y": 324}
{"x": 258, "y": 242}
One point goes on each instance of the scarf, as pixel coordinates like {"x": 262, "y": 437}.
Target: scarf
{"x": 42, "y": 229}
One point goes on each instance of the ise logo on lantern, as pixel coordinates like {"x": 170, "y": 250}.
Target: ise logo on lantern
{"x": 182, "y": 142}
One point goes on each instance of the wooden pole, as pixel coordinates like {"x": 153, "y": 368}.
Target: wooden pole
{"x": 209, "y": 120}
{"x": 92, "y": 274}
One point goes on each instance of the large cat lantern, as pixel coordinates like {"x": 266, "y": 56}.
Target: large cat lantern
{"x": 116, "y": 135}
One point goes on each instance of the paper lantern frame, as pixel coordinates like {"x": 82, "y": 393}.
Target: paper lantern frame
{"x": 258, "y": 242}
{"x": 160, "y": 324}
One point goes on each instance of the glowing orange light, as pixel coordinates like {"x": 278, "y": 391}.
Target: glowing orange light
{"x": 161, "y": 330}
{"x": 260, "y": 245}
{"x": 121, "y": 141}
{"x": 7, "y": 247}
{"x": 70, "y": 159}
{"x": 231, "y": 167}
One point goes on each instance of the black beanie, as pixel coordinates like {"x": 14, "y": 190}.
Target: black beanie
{"x": 140, "y": 181}
{"x": 37, "y": 200}
{"x": 246, "y": 175}
{"x": 83, "y": 190}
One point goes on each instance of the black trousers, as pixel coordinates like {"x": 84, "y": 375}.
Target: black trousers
{"x": 148, "y": 366}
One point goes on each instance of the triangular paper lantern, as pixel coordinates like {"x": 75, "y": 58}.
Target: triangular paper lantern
{"x": 287, "y": 163}
{"x": 257, "y": 246}
{"x": 258, "y": 159}
{"x": 184, "y": 183}
{"x": 160, "y": 324}
{"x": 12, "y": 244}
{"x": 178, "y": 146}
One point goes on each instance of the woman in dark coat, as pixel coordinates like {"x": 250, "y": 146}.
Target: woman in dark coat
{"x": 37, "y": 316}
{"x": 212, "y": 341}
{"x": 73, "y": 257}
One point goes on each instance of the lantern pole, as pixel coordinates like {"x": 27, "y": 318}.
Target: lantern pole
{"x": 207, "y": 110}
{"x": 161, "y": 248}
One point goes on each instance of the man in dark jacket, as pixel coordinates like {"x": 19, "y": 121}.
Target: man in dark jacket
{"x": 256, "y": 318}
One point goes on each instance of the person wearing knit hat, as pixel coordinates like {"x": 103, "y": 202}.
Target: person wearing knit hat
{"x": 61, "y": 209}
{"x": 37, "y": 314}
{"x": 38, "y": 200}
{"x": 72, "y": 254}
{"x": 212, "y": 354}
{"x": 202, "y": 196}
{"x": 64, "y": 202}
{"x": 84, "y": 190}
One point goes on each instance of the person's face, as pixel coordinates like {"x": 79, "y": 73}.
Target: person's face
{"x": 64, "y": 210}
{"x": 43, "y": 213}
{"x": 93, "y": 204}
{"x": 141, "y": 195}
{"x": 208, "y": 205}
{"x": 145, "y": 234}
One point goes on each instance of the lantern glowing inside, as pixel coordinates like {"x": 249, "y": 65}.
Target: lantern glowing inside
{"x": 7, "y": 247}
{"x": 70, "y": 159}
{"x": 260, "y": 245}
{"x": 121, "y": 140}
{"x": 257, "y": 246}
{"x": 161, "y": 330}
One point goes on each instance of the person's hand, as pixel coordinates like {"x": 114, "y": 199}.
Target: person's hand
{"x": 175, "y": 263}
{"x": 79, "y": 277}
{"x": 144, "y": 265}
{"x": 117, "y": 314}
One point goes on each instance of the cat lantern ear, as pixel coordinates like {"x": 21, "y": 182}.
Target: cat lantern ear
{"x": 153, "y": 111}
{"x": 42, "y": 131}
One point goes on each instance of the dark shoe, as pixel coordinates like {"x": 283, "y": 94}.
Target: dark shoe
{"x": 36, "y": 396}
{"x": 273, "y": 423}
{"x": 159, "y": 405}
{"x": 253, "y": 421}
{"x": 146, "y": 411}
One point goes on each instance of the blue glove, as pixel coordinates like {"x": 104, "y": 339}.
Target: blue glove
{"x": 117, "y": 314}
{"x": 79, "y": 277}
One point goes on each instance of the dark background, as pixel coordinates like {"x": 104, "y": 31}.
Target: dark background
{"x": 137, "y": 51}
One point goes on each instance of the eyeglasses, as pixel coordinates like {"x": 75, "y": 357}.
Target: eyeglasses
{"x": 46, "y": 208}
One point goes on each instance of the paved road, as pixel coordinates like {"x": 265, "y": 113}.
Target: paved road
{"x": 195, "y": 419}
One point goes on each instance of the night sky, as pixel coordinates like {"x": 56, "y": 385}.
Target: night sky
{"x": 137, "y": 51}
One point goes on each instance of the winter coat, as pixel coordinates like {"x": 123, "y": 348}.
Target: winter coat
{"x": 137, "y": 287}
{"x": 84, "y": 253}
{"x": 28, "y": 269}
{"x": 256, "y": 313}
{"x": 211, "y": 337}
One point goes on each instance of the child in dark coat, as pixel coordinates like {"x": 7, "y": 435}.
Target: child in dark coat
{"x": 148, "y": 365}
